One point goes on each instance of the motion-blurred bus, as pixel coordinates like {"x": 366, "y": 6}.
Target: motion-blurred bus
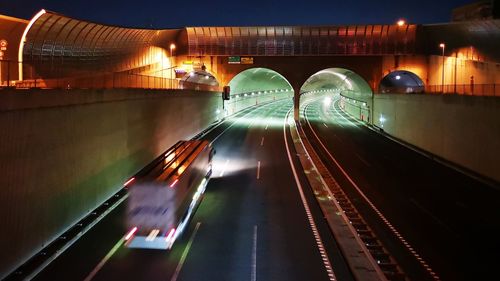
{"x": 164, "y": 195}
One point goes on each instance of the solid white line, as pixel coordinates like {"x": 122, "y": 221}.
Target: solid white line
{"x": 185, "y": 253}
{"x": 312, "y": 224}
{"x": 258, "y": 170}
{"x": 224, "y": 169}
{"x": 377, "y": 211}
{"x": 267, "y": 126}
{"x": 325, "y": 125}
{"x": 72, "y": 241}
{"x": 105, "y": 259}
{"x": 253, "y": 276}
{"x": 262, "y": 142}
{"x": 337, "y": 102}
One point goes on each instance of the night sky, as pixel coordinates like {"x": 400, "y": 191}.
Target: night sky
{"x": 168, "y": 13}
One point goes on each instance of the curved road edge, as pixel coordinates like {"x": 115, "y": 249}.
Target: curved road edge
{"x": 357, "y": 256}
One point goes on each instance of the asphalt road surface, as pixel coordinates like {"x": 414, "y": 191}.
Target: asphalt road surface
{"x": 450, "y": 220}
{"x": 251, "y": 224}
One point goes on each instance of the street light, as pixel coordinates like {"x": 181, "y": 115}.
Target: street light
{"x": 172, "y": 48}
{"x": 442, "y": 46}
{"x": 401, "y": 22}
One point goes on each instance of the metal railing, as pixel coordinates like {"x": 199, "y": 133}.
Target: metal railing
{"x": 451, "y": 89}
{"x": 465, "y": 89}
{"x": 99, "y": 80}
{"x": 114, "y": 81}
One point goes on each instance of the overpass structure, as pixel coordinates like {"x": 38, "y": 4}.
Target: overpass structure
{"x": 118, "y": 74}
{"x": 55, "y": 46}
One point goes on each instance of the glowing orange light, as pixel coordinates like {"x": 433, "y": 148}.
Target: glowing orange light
{"x": 172, "y": 46}
{"x": 181, "y": 170}
{"x": 401, "y": 22}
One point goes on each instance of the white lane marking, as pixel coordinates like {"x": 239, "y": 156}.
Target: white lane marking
{"x": 72, "y": 241}
{"x": 97, "y": 220}
{"x": 337, "y": 137}
{"x": 105, "y": 259}
{"x": 262, "y": 142}
{"x": 334, "y": 108}
{"x": 253, "y": 276}
{"x": 236, "y": 121}
{"x": 266, "y": 126}
{"x": 424, "y": 210}
{"x": 363, "y": 160}
{"x": 377, "y": 211}
{"x": 258, "y": 170}
{"x": 224, "y": 168}
{"x": 312, "y": 224}
{"x": 325, "y": 125}
{"x": 185, "y": 253}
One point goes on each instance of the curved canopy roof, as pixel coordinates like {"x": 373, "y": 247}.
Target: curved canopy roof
{"x": 59, "y": 46}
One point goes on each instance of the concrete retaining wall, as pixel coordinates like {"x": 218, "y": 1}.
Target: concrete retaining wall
{"x": 62, "y": 153}
{"x": 462, "y": 129}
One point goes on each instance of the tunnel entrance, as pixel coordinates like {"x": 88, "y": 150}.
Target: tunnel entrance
{"x": 401, "y": 82}
{"x": 352, "y": 91}
{"x": 256, "y": 86}
{"x": 259, "y": 79}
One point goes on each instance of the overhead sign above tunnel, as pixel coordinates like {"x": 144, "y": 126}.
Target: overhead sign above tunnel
{"x": 239, "y": 60}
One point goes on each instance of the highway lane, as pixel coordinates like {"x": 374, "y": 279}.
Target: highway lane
{"x": 451, "y": 220}
{"x": 250, "y": 225}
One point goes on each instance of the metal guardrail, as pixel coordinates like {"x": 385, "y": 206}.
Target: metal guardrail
{"x": 490, "y": 90}
{"x": 98, "y": 80}
{"x": 114, "y": 81}
{"x": 465, "y": 89}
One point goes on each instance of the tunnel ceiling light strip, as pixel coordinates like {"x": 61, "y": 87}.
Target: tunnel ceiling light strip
{"x": 23, "y": 39}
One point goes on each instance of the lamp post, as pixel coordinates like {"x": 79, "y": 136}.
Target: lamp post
{"x": 401, "y": 22}
{"x": 172, "y": 48}
{"x": 442, "y": 46}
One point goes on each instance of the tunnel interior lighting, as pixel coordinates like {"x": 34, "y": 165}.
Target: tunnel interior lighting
{"x": 398, "y": 77}
{"x": 327, "y": 100}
